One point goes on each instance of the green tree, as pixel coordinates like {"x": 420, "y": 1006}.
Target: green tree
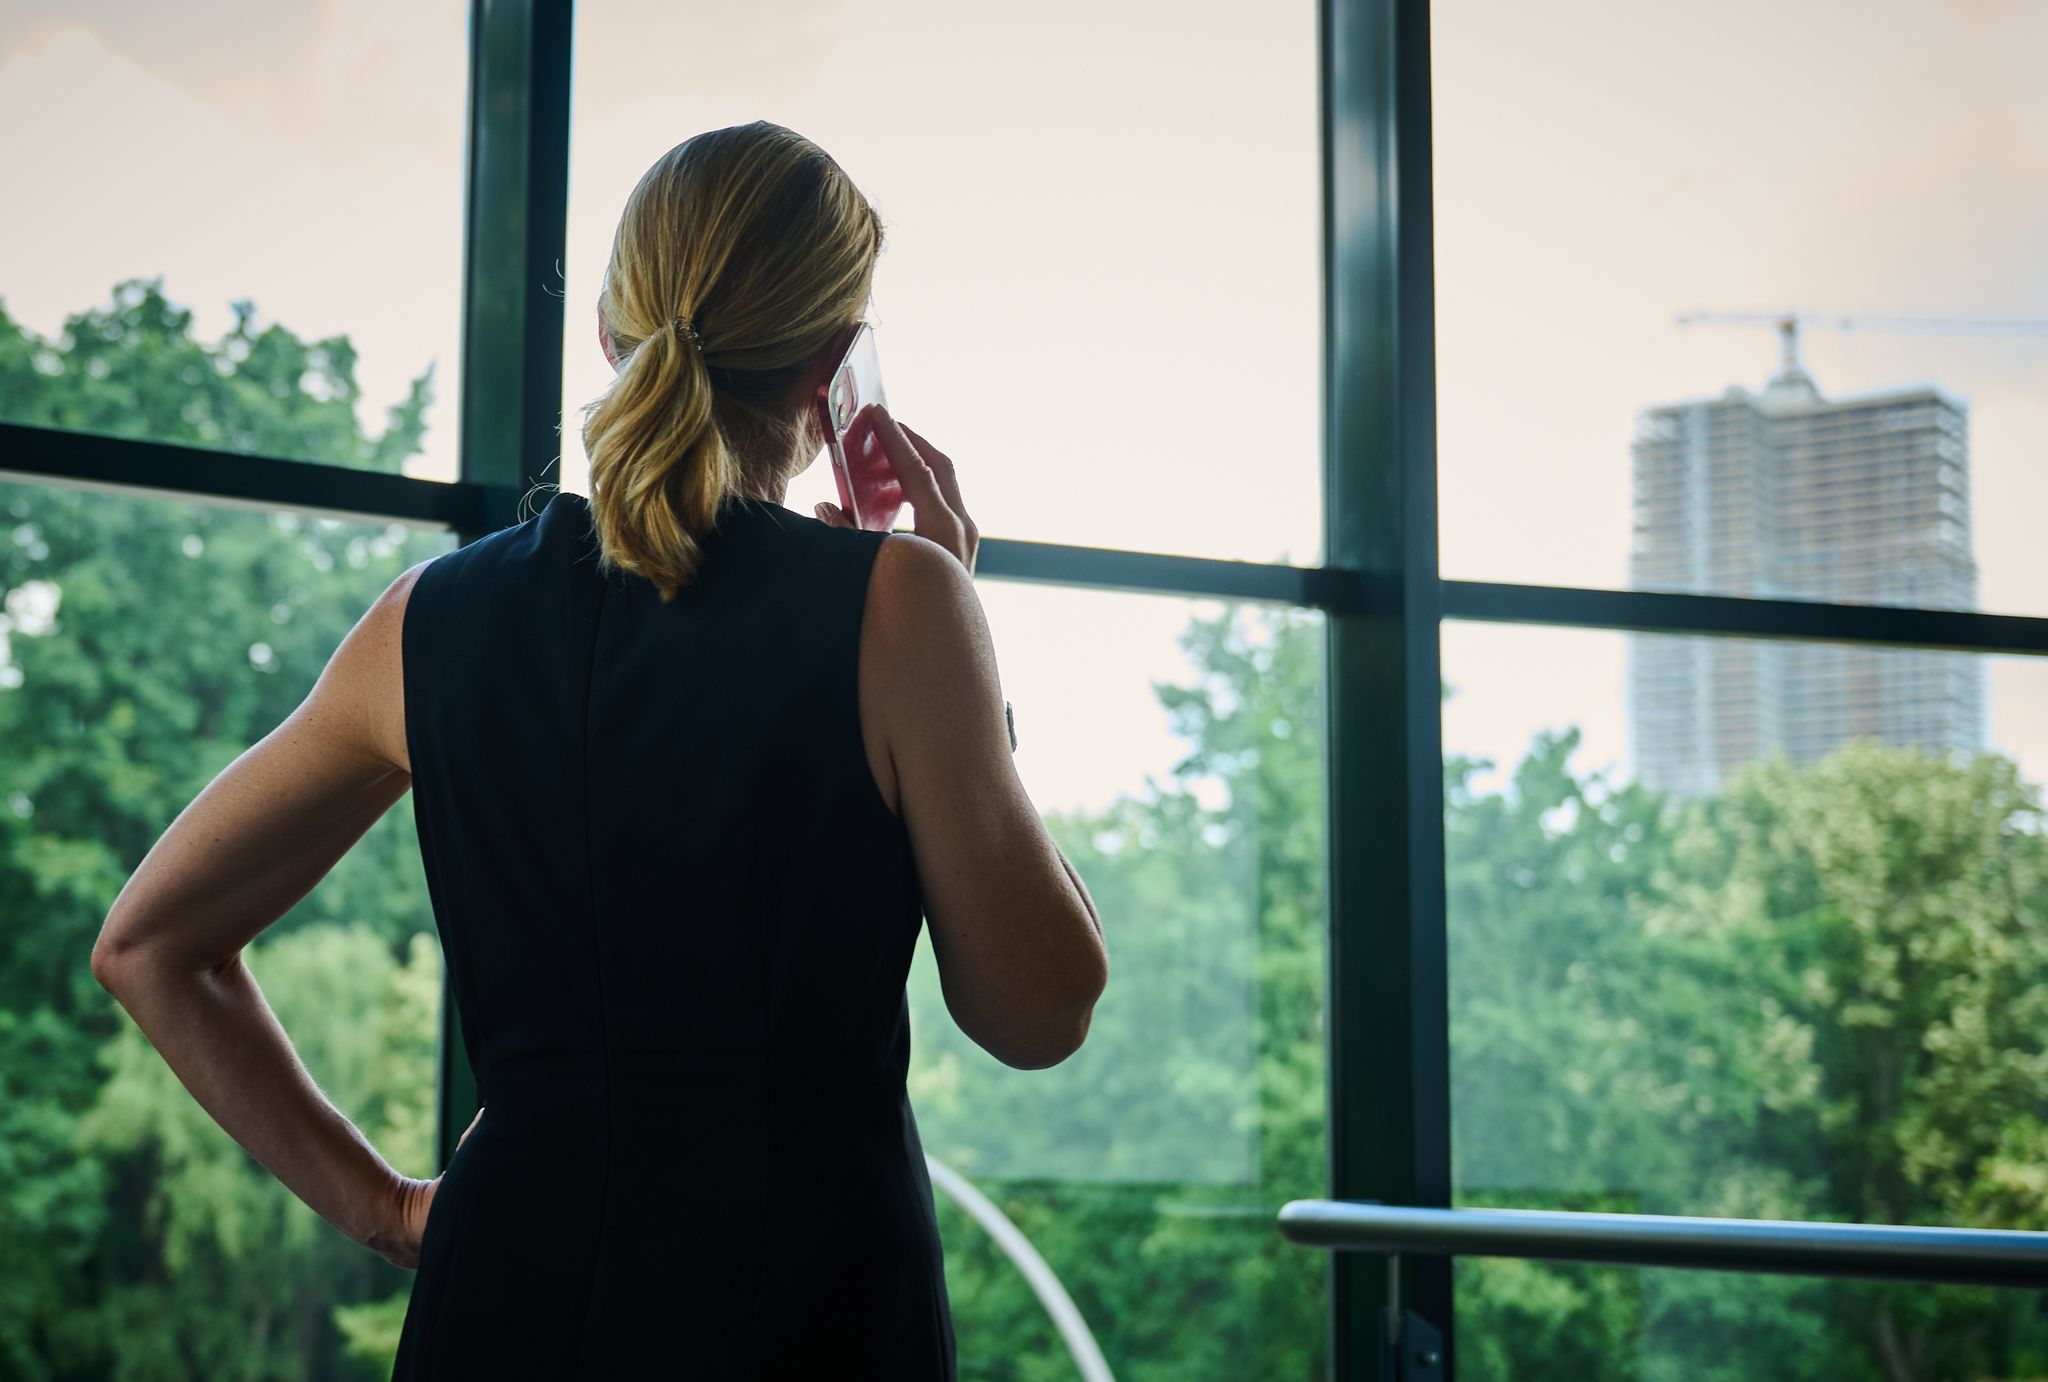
{"x": 244, "y": 1278}
{"x": 1816, "y": 995}
{"x": 1884, "y": 913}
{"x": 1160, "y": 1153}
{"x": 147, "y": 643}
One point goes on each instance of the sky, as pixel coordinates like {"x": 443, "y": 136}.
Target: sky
{"x": 1100, "y": 287}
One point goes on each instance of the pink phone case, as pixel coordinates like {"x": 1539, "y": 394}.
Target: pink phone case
{"x": 868, "y": 488}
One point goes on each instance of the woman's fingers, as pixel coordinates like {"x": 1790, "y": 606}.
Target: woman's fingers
{"x": 949, "y": 485}
{"x": 920, "y": 484}
{"x": 941, "y": 467}
{"x": 940, "y": 516}
{"x": 415, "y": 1206}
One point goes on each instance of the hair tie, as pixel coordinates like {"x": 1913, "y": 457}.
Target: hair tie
{"x": 684, "y": 328}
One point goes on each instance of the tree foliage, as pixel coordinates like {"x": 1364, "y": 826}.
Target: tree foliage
{"x": 147, "y": 644}
{"x": 1817, "y": 995}
{"x": 1149, "y": 1166}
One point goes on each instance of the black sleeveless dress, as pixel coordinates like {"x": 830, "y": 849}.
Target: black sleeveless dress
{"x": 677, "y": 915}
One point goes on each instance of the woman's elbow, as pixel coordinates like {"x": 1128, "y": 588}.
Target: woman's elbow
{"x": 1048, "y": 1048}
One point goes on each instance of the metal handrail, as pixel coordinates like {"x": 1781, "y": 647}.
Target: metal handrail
{"x": 1977, "y": 1256}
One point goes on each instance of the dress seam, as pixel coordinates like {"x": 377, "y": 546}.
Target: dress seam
{"x": 597, "y": 952}
{"x": 767, "y": 1171}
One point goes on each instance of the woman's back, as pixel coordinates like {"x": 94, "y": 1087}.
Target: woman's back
{"x": 678, "y": 913}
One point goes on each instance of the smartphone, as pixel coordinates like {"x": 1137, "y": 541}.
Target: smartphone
{"x": 868, "y": 488}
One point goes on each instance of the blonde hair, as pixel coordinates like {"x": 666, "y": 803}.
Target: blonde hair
{"x": 755, "y": 237}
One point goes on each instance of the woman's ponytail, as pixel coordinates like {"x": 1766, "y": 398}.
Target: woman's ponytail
{"x": 656, "y": 455}
{"x": 740, "y": 256}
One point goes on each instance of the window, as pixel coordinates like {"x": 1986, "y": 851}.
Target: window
{"x": 1651, "y": 922}
{"x": 1706, "y": 961}
{"x": 1711, "y": 938}
{"x": 1587, "y": 191}
{"x": 226, "y": 209}
{"x": 144, "y": 645}
{"x": 1099, "y": 289}
{"x": 1175, "y": 740}
{"x": 1182, "y": 776}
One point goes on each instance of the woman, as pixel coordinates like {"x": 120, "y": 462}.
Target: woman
{"x": 688, "y": 767}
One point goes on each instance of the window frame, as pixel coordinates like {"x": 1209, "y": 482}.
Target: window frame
{"x": 1380, "y": 589}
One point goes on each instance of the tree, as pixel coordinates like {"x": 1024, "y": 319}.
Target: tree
{"x": 1817, "y": 995}
{"x": 1885, "y": 913}
{"x": 147, "y": 644}
{"x": 1148, "y": 1168}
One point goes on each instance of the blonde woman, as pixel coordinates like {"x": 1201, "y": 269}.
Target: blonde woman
{"x": 689, "y": 770}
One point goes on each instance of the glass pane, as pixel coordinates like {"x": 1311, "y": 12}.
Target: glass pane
{"x": 1878, "y": 162}
{"x": 238, "y": 228}
{"x": 144, "y": 645}
{"x": 1765, "y": 943}
{"x": 1182, "y": 776}
{"x": 1099, "y": 291}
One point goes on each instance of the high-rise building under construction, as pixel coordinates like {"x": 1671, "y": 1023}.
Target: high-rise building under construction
{"x": 1787, "y": 494}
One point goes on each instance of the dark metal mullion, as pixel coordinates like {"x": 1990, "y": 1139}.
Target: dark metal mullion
{"x": 131, "y": 466}
{"x": 1735, "y": 616}
{"x": 165, "y": 470}
{"x": 1429, "y": 1287}
{"x": 1386, "y": 1002}
{"x": 472, "y": 508}
{"x": 515, "y": 221}
{"x": 1320, "y": 587}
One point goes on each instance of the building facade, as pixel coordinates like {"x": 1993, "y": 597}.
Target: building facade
{"x": 1789, "y": 495}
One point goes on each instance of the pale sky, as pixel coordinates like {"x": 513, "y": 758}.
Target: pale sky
{"x": 1100, "y": 287}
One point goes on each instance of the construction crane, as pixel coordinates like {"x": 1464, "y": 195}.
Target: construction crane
{"x": 1788, "y": 327}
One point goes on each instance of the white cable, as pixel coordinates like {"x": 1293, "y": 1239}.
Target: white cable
{"x": 1053, "y": 1296}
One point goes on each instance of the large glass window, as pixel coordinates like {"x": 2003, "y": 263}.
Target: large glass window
{"x": 1176, "y": 749}
{"x": 1761, "y": 939}
{"x": 144, "y": 645}
{"x": 182, "y": 182}
{"x": 1743, "y": 301}
{"x": 1099, "y": 302}
{"x": 1601, "y": 169}
{"x": 1100, "y": 291}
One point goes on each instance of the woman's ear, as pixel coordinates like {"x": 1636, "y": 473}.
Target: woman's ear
{"x": 604, "y": 339}
{"x": 835, "y": 349}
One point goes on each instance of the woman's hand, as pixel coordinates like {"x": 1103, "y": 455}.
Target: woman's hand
{"x": 929, "y": 484}
{"x": 400, "y": 1243}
